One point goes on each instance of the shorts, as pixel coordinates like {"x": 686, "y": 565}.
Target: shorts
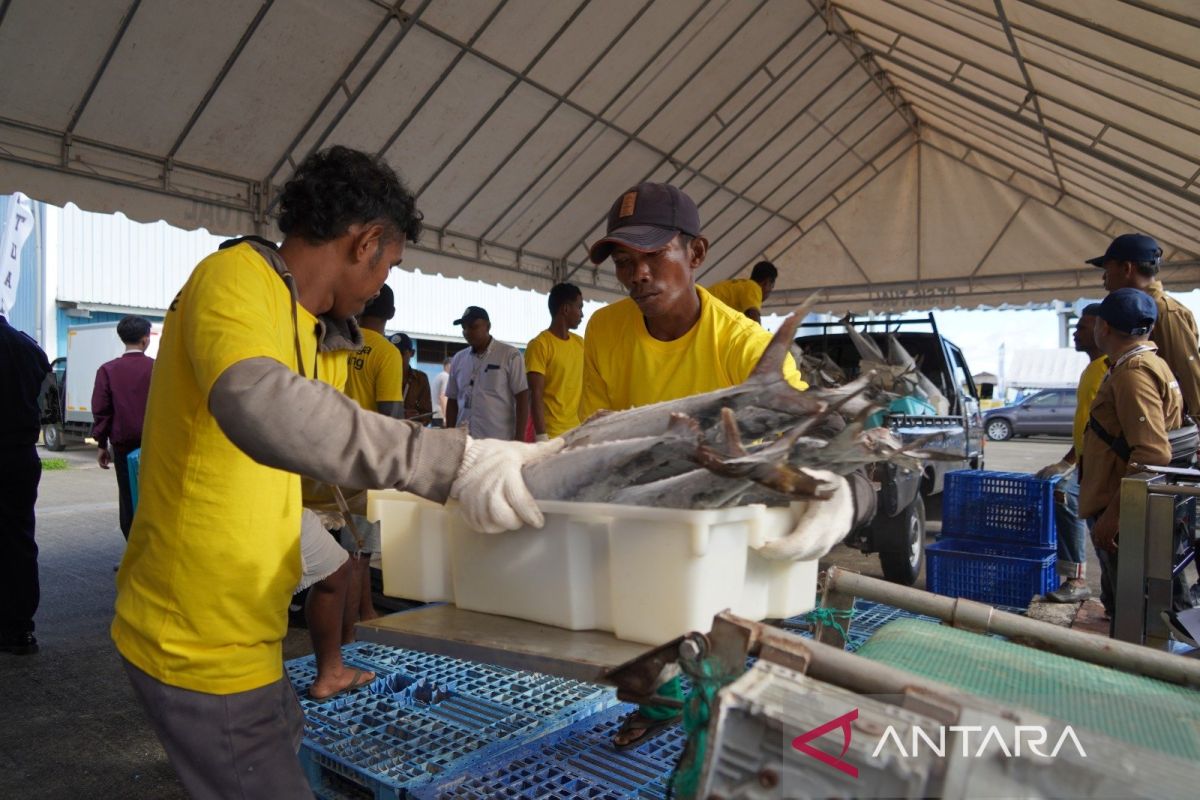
{"x": 320, "y": 554}
{"x": 367, "y": 529}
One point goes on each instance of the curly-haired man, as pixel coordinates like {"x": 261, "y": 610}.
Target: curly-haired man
{"x": 234, "y": 418}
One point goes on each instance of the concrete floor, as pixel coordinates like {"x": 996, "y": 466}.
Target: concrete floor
{"x": 69, "y": 725}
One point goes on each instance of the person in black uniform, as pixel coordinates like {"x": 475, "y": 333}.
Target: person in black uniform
{"x": 23, "y": 367}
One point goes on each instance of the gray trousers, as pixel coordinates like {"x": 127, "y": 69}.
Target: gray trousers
{"x": 241, "y": 745}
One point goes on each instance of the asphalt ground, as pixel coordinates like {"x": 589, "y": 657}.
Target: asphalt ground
{"x": 69, "y": 725}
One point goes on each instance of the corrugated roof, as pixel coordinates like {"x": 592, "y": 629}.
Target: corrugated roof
{"x": 897, "y": 154}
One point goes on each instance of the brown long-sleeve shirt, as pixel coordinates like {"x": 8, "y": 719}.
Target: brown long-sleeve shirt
{"x": 1175, "y": 335}
{"x": 1138, "y": 401}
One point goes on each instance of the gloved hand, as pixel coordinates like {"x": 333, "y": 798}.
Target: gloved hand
{"x": 542, "y": 437}
{"x": 820, "y": 524}
{"x": 1057, "y": 469}
{"x": 489, "y": 486}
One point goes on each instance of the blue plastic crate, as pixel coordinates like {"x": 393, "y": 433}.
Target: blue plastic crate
{"x": 425, "y": 716}
{"x": 990, "y": 572}
{"x": 134, "y": 460}
{"x": 1008, "y": 506}
{"x": 576, "y": 762}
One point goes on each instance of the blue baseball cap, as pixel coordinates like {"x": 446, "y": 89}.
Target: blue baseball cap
{"x": 1130, "y": 311}
{"x": 1129, "y": 247}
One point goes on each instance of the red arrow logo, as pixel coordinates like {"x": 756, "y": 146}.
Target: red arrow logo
{"x": 801, "y": 743}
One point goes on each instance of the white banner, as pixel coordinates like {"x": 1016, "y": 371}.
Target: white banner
{"x": 17, "y": 228}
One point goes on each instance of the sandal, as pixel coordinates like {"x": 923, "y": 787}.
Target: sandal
{"x": 641, "y": 729}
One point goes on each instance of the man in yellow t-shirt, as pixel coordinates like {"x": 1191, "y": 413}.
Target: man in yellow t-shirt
{"x": 748, "y": 295}
{"x": 233, "y": 419}
{"x": 1072, "y": 531}
{"x": 669, "y": 339}
{"x": 376, "y": 377}
{"x": 554, "y": 366}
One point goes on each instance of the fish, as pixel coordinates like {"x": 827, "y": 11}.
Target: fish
{"x": 898, "y": 356}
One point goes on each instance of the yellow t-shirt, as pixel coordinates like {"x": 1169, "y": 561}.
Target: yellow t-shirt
{"x": 1089, "y": 384}
{"x": 624, "y": 366}
{"x": 376, "y": 373}
{"x": 561, "y": 362}
{"x": 214, "y": 554}
{"x": 739, "y": 294}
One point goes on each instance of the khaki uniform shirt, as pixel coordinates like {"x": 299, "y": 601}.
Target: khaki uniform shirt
{"x": 1140, "y": 401}
{"x": 1175, "y": 335}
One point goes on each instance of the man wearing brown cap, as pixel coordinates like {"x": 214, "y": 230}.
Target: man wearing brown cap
{"x": 670, "y": 339}
{"x": 1132, "y": 261}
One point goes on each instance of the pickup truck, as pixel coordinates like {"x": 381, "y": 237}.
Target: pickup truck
{"x": 897, "y": 531}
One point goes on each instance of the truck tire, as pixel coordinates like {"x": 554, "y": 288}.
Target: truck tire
{"x": 902, "y": 543}
{"x": 52, "y": 435}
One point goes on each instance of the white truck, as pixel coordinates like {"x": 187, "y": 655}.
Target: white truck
{"x": 66, "y": 398}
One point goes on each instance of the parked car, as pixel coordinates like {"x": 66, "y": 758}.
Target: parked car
{"x": 1050, "y": 411}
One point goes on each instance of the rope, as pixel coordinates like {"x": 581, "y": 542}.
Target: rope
{"x": 707, "y": 681}
{"x": 829, "y": 618}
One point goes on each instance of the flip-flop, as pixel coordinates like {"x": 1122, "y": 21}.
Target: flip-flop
{"x": 359, "y": 681}
{"x": 644, "y": 729}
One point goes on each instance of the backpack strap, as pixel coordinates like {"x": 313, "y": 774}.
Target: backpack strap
{"x": 1115, "y": 443}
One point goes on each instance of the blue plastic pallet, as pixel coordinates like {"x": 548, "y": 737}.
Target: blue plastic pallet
{"x": 1012, "y": 507}
{"x": 425, "y": 716}
{"x": 868, "y": 618}
{"x": 990, "y": 572}
{"x": 576, "y": 762}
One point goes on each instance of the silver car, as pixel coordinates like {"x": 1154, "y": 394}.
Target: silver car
{"x": 1051, "y": 411}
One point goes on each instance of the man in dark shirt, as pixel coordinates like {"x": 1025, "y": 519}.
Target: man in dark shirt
{"x": 119, "y": 406}
{"x": 23, "y": 367}
{"x": 418, "y": 403}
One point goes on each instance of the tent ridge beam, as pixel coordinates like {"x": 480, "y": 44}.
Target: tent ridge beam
{"x": 1052, "y": 134}
{"x": 680, "y": 167}
{"x": 437, "y": 84}
{"x": 594, "y": 118}
{"x": 633, "y": 137}
{"x": 1163, "y": 12}
{"x": 103, "y": 67}
{"x": 1083, "y": 55}
{"x": 558, "y": 102}
{"x": 839, "y": 203}
{"x": 1035, "y": 95}
{"x": 1106, "y": 31}
{"x": 393, "y": 12}
{"x": 216, "y": 84}
{"x": 512, "y": 86}
{"x": 835, "y": 25}
{"x": 798, "y": 170}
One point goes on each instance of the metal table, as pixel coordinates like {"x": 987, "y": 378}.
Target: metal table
{"x": 449, "y": 631}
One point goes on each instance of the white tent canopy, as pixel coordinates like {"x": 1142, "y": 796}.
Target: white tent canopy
{"x": 901, "y": 154}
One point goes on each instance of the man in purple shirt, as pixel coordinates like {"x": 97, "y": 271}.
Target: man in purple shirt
{"x": 119, "y": 406}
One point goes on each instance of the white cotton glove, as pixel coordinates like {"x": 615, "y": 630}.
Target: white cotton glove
{"x": 820, "y": 524}
{"x": 1057, "y": 469}
{"x": 489, "y": 486}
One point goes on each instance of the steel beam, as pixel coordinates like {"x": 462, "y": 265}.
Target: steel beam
{"x": 81, "y": 106}
{"x": 216, "y": 84}
{"x": 553, "y": 40}
{"x": 558, "y": 102}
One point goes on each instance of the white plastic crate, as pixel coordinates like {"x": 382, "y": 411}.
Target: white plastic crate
{"x": 557, "y": 575}
{"x": 646, "y": 574}
{"x": 415, "y": 543}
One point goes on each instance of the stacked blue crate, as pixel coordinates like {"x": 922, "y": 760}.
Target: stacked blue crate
{"x": 998, "y": 538}
{"x": 425, "y": 716}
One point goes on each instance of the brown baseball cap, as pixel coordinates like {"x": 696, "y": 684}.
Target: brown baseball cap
{"x": 646, "y": 218}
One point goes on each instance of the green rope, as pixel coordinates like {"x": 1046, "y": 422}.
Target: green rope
{"x": 829, "y": 618}
{"x": 707, "y": 681}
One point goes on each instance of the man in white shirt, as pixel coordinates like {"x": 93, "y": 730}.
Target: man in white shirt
{"x": 488, "y": 393}
{"x": 437, "y": 393}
